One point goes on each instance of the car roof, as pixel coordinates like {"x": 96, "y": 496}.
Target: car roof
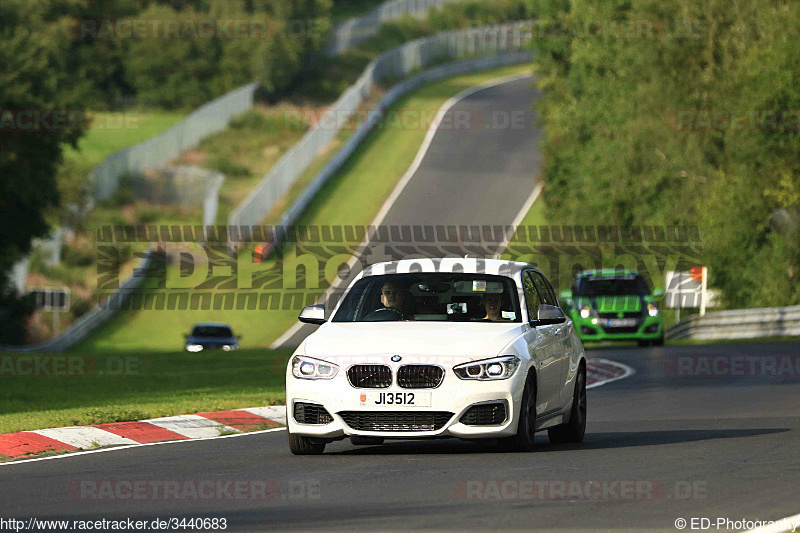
{"x": 212, "y": 324}
{"x": 466, "y": 265}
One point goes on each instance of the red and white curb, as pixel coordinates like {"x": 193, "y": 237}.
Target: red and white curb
{"x": 602, "y": 371}
{"x": 169, "y": 428}
{"x": 201, "y": 425}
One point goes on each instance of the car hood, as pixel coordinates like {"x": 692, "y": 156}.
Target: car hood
{"x": 423, "y": 341}
{"x": 612, "y": 304}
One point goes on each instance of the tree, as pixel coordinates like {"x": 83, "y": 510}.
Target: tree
{"x": 39, "y": 113}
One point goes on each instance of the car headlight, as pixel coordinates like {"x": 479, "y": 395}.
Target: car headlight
{"x": 309, "y": 368}
{"x": 652, "y": 309}
{"x": 194, "y": 347}
{"x": 488, "y": 369}
{"x": 586, "y": 311}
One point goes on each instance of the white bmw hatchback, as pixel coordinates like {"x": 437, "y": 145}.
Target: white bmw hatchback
{"x": 431, "y": 348}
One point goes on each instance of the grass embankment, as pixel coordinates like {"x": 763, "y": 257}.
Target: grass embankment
{"x": 169, "y": 381}
{"x": 119, "y": 386}
{"x": 111, "y": 132}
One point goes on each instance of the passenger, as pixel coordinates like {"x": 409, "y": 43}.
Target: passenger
{"x": 493, "y": 303}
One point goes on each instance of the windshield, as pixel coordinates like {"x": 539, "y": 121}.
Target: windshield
{"x": 611, "y": 286}
{"x": 212, "y": 331}
{"x": 435, "y": 297}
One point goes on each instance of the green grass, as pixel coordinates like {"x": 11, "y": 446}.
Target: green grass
{"x": 352, "y": 197}
{"x": 111, "y": 132}
{"x": 155, "y": 384}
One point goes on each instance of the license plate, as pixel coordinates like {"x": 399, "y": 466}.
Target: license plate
{"x": 384, "y": 399}
{"x": 620, "y": 322}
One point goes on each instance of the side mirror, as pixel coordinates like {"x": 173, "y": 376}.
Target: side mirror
{"x": 547, "y": 315}
{"x": 658, "y": 292}
{"x": 313, "y": 314}
{"x": 566, "y": 294}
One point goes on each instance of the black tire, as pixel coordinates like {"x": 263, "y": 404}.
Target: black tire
{"x": 300, "y": 445}
{"x": 526, "y": 430}
{"x": 574, "y": 430}
{"x": 366, "y": 441}
{"x": 659, "y": 341}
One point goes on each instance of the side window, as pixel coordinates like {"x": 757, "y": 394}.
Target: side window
{"x": 532, "y": 298}
{"x": 543, "y": 289}
{"x": 551, "y": 290}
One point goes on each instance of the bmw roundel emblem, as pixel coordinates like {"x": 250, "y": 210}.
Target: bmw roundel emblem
{"x": 396, "y": 358}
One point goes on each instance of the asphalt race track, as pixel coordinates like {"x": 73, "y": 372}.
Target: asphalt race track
{"x": 659, "y": 446}
{"x": 480, "y": 169}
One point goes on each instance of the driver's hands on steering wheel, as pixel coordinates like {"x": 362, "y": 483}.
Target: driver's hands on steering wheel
{"x": 385, "y": 314}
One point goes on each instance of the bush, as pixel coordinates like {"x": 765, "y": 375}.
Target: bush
{"x": 77, "y": 257}
{"x": 79, "y": 307}
{"x": 229, "y": 168}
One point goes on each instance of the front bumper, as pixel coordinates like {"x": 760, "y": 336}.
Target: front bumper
{"x": 649, "y": 328}
{"x": 454, "y": 396}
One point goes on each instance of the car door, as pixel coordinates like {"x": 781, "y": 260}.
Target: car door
{"x": 544, "y": 349}
{"x": 565, "y": 334}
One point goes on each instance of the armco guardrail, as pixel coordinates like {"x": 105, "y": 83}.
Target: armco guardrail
{"x": 397, "y": 62}
{"x": 210, "y": 118}
{"x": 739, "y": 324}
{"x": 354, "y": 30}
{"x": 88, "y": 322}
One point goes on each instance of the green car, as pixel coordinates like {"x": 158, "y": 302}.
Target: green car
{"x": 615, "y": 305}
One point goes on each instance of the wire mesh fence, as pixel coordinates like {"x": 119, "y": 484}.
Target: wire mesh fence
{"x": 184, "y": 186}
{"x": 210, "y": 118}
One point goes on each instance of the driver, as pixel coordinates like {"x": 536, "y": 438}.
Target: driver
{"x": 392, "y": 295}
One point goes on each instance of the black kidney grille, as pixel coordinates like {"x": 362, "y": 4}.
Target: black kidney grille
{"x": 396, "y": 420}
{"x": 488, "y": 414}
{"x": 370, "y": 376}
{"x": 419, "y": 376}
{"x": 311, "y": 413}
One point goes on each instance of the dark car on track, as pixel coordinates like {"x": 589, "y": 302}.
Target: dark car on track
{"x": 211, "y": 336}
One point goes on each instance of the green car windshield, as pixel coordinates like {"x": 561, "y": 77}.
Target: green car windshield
{"x": 610, "y": 286}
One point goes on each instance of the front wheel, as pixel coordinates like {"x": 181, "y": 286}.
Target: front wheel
{"x": 573, "y": 430}
{"x": 526, "y": 429}
{"x": 300, "y": 445}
